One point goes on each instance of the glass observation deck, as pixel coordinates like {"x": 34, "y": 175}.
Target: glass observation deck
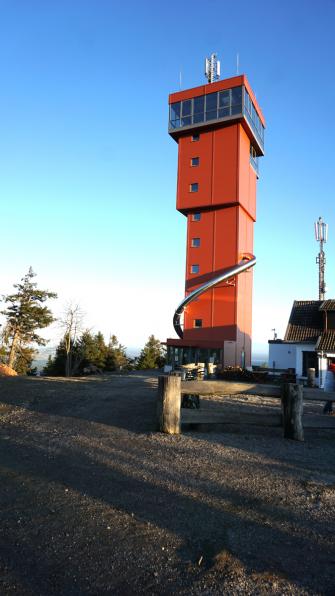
{"x": 229, "y": 104}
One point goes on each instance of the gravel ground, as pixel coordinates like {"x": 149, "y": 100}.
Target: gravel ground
{"x": 94, "y": 501}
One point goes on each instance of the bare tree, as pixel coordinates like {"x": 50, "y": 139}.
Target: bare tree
{"x": 71, "y": 324}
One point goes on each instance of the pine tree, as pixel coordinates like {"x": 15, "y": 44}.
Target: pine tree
{"x": 152, "y": 355}
{"x": 116, "y": 357}
{"x": 55, "y": 366}
{"x": 24, "y": 360}
{"x": 92, "y": 349}
{"x": 25, "y": 315}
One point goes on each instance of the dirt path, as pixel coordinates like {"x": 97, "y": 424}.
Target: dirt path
{"x": 94, "y": 501}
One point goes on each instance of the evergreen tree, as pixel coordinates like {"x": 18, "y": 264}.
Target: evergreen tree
{"x": 55, "y": 366}
{"x": 24, "y": 360}
{"x": 152, "y": 355}
{"x": 3, "y": 344}
{"x": 25, "y": 315}
{"x": 92, "y": 349}
{"x": 116, "y": 356}
{"x": 87, "y": 350}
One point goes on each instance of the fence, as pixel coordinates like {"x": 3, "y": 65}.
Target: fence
{"x": 171, "y": 416}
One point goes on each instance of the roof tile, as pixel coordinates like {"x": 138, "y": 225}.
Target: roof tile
{"x": 328, "y": 305}
{"x": 326, "y": 342}
{"x": 306, "y": 321}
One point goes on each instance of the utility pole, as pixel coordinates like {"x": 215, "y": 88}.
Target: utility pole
{"x": 321, "y": 235}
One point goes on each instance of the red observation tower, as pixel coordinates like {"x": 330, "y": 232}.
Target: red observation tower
{"x": 219, "y": 128}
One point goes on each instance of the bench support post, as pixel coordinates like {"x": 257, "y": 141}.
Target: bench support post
{"x": 169, "y": 404}
{"x": 292, "y": 409}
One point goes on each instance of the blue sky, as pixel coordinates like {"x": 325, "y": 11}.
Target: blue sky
{"x": 88, "y": 172}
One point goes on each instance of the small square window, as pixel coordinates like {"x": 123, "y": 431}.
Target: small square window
{"x": 196, "y": 216}
{"x": 195, "y": 137}
{"x": 195, "y": 242}
{"x": 194, "y": 268}
{"x": 194, "y": 187}
{"x": 197, "y": 323}
{"x": 195, "y": 162}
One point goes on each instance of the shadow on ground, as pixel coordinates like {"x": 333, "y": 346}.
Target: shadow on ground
{"x": 93, "y": 501}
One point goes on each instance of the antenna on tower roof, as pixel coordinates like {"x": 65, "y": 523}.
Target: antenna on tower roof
{"x": 321, "y": 236}
{"x": 212, "y": 68}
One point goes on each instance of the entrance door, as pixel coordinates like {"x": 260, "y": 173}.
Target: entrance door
{"x": 310, "y": 360}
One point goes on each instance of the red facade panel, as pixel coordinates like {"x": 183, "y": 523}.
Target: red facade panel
{"x": 225, "y": 165}
{"x": 188, "y": 174}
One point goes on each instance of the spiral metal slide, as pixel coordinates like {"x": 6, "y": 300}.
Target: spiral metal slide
{"x": 247, "y": 262}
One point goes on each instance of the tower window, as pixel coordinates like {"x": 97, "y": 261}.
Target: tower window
{"x": 195, "y": 242}
{"x": 196, "y": 216}
{"x": 254, "y": 158}
{"x": 194, "y": 187}
{"x": 194, "y": 268}
{"x": 195, "y": 162}
{"x": 195, "y": 137}
{"x": 197, "y": 323}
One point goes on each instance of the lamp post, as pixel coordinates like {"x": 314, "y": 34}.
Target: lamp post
{"x": 321, "y": 235}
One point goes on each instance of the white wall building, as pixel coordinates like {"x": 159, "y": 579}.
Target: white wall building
{"x": 309, "y": 340}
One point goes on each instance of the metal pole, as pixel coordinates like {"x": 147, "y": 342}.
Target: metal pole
{"x": 322, "y": 260}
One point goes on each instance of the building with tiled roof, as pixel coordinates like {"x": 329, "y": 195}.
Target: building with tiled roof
{"x": 309, "y": 341}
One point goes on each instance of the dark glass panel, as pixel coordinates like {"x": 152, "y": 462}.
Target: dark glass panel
{"x": 198, "y": 104}
{"x": 211, "y": 102}
{"x": 198, "y": 118}
{"x": 237, "y": 109}
{"x": 187, "y": 105}
{"x": 186, "y": 121}
{"x": 223, "y": 112}
{"x": 224, "y": 98}
{"x": 211, "y": 115}
{"x": 175, "y": 111}
{"x": 236, "y": 95}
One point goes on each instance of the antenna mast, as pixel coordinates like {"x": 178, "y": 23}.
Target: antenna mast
{"x": 321, "y": 236}
{"x": 212, "y": 68}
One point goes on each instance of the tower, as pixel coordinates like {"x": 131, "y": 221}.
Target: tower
{"x": 321, "y": 236}
{"x": 219, "y": 129}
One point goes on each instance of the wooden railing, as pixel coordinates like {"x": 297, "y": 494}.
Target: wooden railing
{"x": 171, "y": 416}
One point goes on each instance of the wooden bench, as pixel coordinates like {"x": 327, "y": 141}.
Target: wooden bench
{"x": 292, "y": 396}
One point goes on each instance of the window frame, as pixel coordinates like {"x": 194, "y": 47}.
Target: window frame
{"x": 195, "y": 321}
{"x": 193, "y": 218}
{"x": 195, "y": 165}
{"x": 194, "y": 187}
{"x": 196, "y": 271}
{"x": 195, "y": 242}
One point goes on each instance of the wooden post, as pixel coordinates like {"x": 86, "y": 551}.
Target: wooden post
{"x": 292, "y": 408}
{"x": 169, "y": 404}
{"x": 311, "y": 377}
